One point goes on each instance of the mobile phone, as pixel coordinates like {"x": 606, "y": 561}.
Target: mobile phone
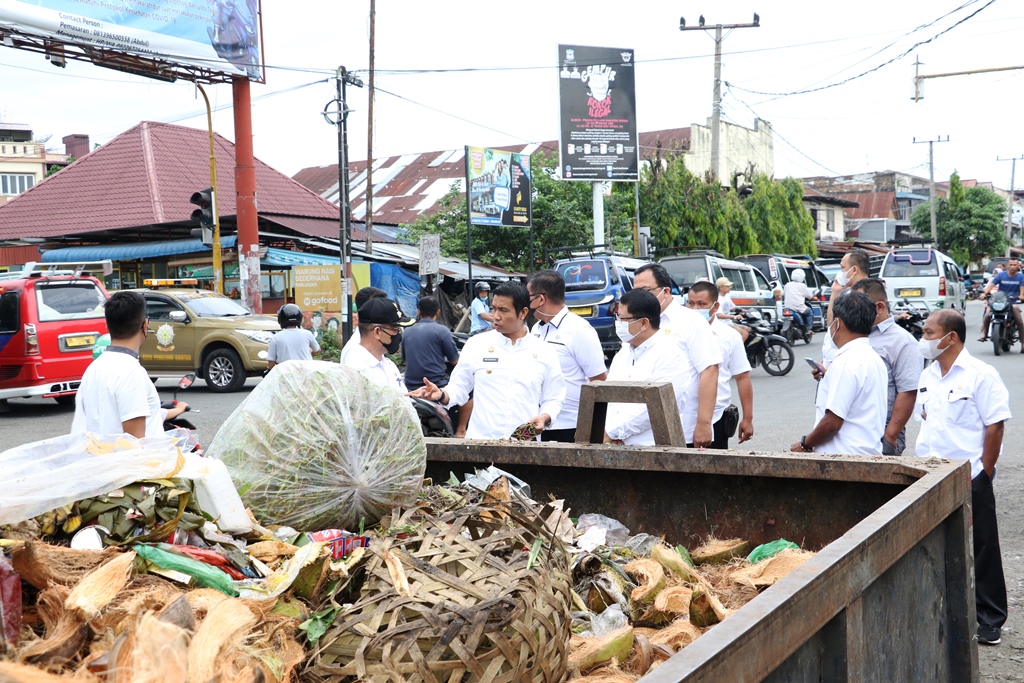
{"x": 815, "y": 365}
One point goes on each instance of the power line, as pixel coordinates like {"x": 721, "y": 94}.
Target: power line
{"x": 777, "y": 95}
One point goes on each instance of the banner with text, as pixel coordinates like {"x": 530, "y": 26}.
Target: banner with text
{"x": 597, "y": 111}
{"x": 499, "y": 188}
{"x": 219, "y": 35}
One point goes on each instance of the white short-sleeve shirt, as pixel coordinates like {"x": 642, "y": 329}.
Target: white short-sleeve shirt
{"x": 700, "y": 350}
{"x": 855, "y": 389}
{"x": 580, "y": 356}
{"x": 955, "y": 410}
{"x": 116, "y": 388}
{"x": 383, "y": 372}
{"x": 656, "y": 360}
{"x": 734, "y": 362}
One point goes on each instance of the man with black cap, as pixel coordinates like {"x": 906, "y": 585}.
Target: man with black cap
{"x": 380, "y": 334}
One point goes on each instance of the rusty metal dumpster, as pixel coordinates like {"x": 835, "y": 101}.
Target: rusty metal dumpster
{"x": 888, "y": 597}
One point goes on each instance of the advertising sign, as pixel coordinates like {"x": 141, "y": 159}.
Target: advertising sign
{"x": 430, "y": 254}
{"x": 597, "y": 110}
{"x": 499, "y": 188}
{"x": 214, "y": 35}
{"x": 317, "y": 287}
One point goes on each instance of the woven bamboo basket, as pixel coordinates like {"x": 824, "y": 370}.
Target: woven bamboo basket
{"x": 453, "y": 600}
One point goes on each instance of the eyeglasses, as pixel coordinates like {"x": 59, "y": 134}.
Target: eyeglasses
{"x": 626, "y": 320}
{"x": 534, "y": 296}
{"x": 390, "y": 333}
{"x": 652, "y": 290}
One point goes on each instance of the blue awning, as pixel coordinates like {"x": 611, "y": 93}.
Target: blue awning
{"x": 283, "y": 257}
{"x": 131, "y": 252}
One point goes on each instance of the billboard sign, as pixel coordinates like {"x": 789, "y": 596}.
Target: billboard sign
{"x": 317, "y": 287}
{"x": 498, "y": 187}
{"x": 597, "y": 111}
{"x": 220, "y": 36}
{"x": 430, "y": 254}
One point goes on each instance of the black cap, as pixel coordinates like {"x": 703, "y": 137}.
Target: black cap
{"x": 383, "y": 312}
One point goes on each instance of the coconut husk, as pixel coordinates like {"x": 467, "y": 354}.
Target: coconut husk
{"x": 223, "y": 628}
{"x": 607, "y": 674}
{"x": 60, "y": 647}
{"x": 651, "y": 578}
{"x": 718, "y": 551}
{"x": 41, "y": 564}
{"x": 270, "y": 651}
{"x": 100, "y": 586}
{"x": 50, "y": 606}
{"x": 594, "y": 651}
{"x": 159, "y": 652}
{"x": 767, "y": 572}
{"x": 706, "y": 609}
{"x": 203, "y": 600}
{"x": 11, "y": 672}
{"x": 674, "y": 564}
{"x": 676, "y": 635}
{"x": 271, "y": 551}
{"x": 180, "y": 614}
{"x": 143, "y": 593}
{"x": 674, "y": 599}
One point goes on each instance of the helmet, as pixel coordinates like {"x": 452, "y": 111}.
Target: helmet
{"x": 799, "y": 275}
{"x": 482, "y": 286}
{"x": 289, "y": 314}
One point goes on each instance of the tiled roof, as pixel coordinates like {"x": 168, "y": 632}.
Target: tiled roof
{"x": 411, "y": 184}
{"x": 145, "y": 177}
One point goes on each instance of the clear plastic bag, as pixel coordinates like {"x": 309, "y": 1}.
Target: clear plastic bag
{"x": 319, "y": 446}
{"x": 44, "y": 475}
{"x": 616, "y": 533}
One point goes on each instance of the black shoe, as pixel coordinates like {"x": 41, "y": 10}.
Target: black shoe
{"x": 989, "y": 635}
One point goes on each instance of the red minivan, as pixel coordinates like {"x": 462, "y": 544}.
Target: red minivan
{"x": 51, "y": 315}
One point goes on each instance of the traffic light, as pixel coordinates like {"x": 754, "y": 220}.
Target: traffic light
{"x": 206, "y": 214}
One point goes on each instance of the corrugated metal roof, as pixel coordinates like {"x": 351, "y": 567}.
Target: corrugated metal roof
{"x": 871, "y": 204}
{"x": 132, "y": 252}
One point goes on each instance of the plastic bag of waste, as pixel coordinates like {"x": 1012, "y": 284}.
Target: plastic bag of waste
{"x": 611, "y": 619}
{"x": 616, "y": 533}
{"x": 641, "y": 544}
{"x": 771, "y": 549}
{"x": 45, "y": 475}
{"x": 481, "y": 479}
{"x": 320, "y": 446}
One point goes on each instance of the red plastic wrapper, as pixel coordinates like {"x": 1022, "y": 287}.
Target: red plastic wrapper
{"x": 342, "y": 542}
{"x": 10, "y": 602}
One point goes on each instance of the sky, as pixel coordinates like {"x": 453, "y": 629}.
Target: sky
{"x": 463, "y": 72}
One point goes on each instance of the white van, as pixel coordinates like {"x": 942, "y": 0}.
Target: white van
{"x": 923, "y": 277}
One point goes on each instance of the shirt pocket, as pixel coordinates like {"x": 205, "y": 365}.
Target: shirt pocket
{"x": 959, "y": 408}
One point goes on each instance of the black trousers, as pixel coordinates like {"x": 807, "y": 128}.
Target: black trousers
{"x": 719, "y": 438}
{"x": 989, "y": 583}
{"x": 562, "y": 435}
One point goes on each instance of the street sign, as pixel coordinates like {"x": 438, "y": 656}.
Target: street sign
{"x": 430, "y": 254}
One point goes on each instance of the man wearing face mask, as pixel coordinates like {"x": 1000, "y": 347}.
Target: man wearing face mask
{"x": 380, "y": 333}
{"x": 573, "y": 340}
{"x": 514, "y": 376}
{"x": 647, "y": 355}
{"x": 703, "y": 297}
{"x": 853, "y": 268}
{"x": 850, "y": 403}
{"x": 962, "y": 406}
{"x": 700, "y": 355}
{"x": 898, "y": 350}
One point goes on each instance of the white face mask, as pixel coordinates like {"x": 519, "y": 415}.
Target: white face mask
{"x": 843, "y": 277}
{"x": 831, "y": 334}
{"x": 622, "y": 330}
{"x": 929, "y": 348}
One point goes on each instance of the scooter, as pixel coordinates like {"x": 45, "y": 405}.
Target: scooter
{"x": 796, "y": 329}
{"x": 435, "y": 419}
{"x": 181, "y": 422}
{"x": 1003, "y": 329}
{"x": 910, "y": 318}
{"x": 765, "y": 348}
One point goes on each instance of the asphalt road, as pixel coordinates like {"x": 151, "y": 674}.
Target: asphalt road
{"x": 784, "y": 409}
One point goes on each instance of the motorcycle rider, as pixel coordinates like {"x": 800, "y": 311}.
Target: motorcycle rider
{"x": 292, "y": 342}
{"x": 1011, "y": 282}
{"x": 795, "y": 295}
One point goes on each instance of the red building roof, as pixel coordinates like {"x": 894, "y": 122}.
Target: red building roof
{"x": 870, "y": 204}
{"x": 145, "y": 177}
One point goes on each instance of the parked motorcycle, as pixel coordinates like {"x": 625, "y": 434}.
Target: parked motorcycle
{"x": 1002, "y": 330}
{"x": 766, "y": 348}
{"x": 181, "y": 422}
{"x": 973, "y": 289}
{"x": 435, "y": 419}
{"x": 910, "y": 317}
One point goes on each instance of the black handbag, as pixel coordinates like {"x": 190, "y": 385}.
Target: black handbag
{"x": 731, "y": 420}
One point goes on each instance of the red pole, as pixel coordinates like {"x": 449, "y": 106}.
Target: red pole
{"x": 245, "y": 199}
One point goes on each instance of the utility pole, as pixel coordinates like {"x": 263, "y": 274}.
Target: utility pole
{"x": 919, "y": 78}
{"x": 368, "y": 220}
{"x": 716, "y": 106}
{"x": 1009, "y": 216}
{"x": 246, "y": 214}
{"x": 343, "y": 78}
{"x": 931, "y": 183}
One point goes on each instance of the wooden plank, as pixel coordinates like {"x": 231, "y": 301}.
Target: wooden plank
{"x": 658, "y": 396}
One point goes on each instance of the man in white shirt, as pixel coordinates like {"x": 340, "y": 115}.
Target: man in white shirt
{"x": 700, "y": 355}
{"x": 647, "y": 355}
{"x": 573, "y": 340}
{"x": 362, "y": 296}
{"x": 292, "y": 342}
{"x": 962, "y": 405}
{"x": 514, "y": 376}
{"x": 116, "y": 395}
{"x": 703, "y": 298}
{"x": 850, "y": 404}
{"x": 726, "y": 308}
{"x": 854, "y": 267}
{"x": 794, "y": 297}
{"x": 380, "y": 334}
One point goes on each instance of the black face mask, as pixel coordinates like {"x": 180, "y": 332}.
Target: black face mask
{"x": 395, "y": 344}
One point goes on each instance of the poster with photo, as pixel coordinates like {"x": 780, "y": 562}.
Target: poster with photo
{"x": 499, "y": 187}
{"x": 597, "y": 112}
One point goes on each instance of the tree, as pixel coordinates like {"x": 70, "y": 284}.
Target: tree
{"x": 969, "y": 223}
{"x": 778, "y": 217}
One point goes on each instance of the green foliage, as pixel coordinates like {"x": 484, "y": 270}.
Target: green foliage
{"x": 969, "y": 229}
{"x": 778, "y": 217}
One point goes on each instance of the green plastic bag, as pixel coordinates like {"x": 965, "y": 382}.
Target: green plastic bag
{"x": 766, "y": 550}
{"x": 204, "y": 574}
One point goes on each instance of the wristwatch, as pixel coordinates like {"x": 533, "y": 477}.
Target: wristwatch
{"x": 803, "y": 444}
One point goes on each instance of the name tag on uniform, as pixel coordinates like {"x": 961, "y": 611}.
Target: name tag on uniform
{"x": 490, "y": 360}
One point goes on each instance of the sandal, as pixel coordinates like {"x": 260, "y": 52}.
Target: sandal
{"x": 983, "y": 339}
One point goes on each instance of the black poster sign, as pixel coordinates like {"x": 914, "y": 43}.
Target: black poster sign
{"x": 597, "y": 106}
